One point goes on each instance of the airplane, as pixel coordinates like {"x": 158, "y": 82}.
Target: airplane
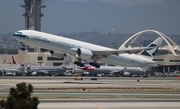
{"x": 60, "y": 46}
{"x": 130, "y": 71}
{"x": 45, "y": 70}
{"x": 119, "y": 70}
{"x": 8, "y": 69}
{"x": 110, "y": 70}
{"x": 52, "y": 70}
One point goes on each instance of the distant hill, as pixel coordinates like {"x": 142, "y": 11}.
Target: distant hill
{"x": 93, "y": 15}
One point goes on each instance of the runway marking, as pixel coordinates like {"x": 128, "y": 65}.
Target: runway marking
{"x": 102, "y": 107}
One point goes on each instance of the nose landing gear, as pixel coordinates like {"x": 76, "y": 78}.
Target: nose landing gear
{"x": 25, "y": 47}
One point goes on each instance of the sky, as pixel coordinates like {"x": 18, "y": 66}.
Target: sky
{"x": 124, "y": 3}
{"x": 74, "y": 17}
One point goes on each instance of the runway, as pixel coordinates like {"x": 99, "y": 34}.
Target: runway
{"x": 110, "y": 105}
{"x": 113, "y": 82}
{"x": 103, "y": 93}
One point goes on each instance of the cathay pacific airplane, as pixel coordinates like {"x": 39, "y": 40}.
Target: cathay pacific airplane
{"x": 60, "y": 46}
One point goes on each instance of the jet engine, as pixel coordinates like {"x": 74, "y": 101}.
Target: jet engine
{"x": 57, "y": 54}
{"x": 84, "y": 53}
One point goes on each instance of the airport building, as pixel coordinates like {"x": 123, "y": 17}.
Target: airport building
{"x": 168, "y": 56}
{"x": 31, "y": 58}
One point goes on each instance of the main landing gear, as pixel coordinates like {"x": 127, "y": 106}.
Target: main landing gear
{"x": 95, "y": 64}
{"x": 82, "y": 64}
{"x": 79, "y": 63}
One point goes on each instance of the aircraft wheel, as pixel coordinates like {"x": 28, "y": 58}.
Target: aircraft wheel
{"x": 97, "y": 66}
{"x": 75, "y": 62}
{"x": 23, "y": 49}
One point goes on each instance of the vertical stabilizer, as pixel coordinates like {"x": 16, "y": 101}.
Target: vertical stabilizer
{"x": 13, "y": 60}
{"x": 67, "y": 60}
{"x": 153, "y": 48}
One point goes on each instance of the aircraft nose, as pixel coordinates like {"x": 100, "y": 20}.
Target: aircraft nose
{"x": 14, "y": 35}
{"x": 17, "y": 34}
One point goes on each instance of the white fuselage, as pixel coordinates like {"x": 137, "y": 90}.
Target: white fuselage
{"x": 64, "y": 45}
{"x": 118, "y": 70}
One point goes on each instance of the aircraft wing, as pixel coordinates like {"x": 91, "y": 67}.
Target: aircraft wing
{"x": 116, "y": 52}
{"x": 115, "y": 71}
{"x": 105, "y": 53}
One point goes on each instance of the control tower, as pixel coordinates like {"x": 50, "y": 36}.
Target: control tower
{"x": 33, "y": 14}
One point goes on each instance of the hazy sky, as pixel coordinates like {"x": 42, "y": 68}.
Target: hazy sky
{"x": 123, "y": 3}
{"x": 66, "y": 17}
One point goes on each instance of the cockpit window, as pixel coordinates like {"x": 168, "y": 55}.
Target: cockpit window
{"x": 19, "y": 32}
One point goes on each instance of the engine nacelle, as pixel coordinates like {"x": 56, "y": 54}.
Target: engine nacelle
{"x": 57, "y": 54}
{"x": 126, "y": 74}
{"x": 84, "y": 53}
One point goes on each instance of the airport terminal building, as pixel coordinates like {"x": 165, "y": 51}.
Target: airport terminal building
{"x": 167, "y": 57}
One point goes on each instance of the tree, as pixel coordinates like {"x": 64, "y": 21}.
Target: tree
{"x": 20, "y": 98}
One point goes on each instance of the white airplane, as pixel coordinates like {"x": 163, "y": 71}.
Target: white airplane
{"x": 9, "y": 68}
{"x": 52, "y": 70}
{"x": 60, "y": 46}
{"x": 111, "y": 70}
{"x": 123, "y": 71}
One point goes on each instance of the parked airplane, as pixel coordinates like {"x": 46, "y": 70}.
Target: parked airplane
{"x": 130, "y": 71}
{"x": 8, "y": 69}
{"x": 111, "y": 70}
{"x": 60, "y": 46}
{"x": 51, "y": 70}
{"x": 119, "y": 70}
